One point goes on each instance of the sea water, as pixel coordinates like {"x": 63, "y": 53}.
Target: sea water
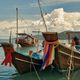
{"x": 10, "y": 73}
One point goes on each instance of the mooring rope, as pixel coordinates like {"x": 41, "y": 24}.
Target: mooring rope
{"x": 35, "y": 69}
{"x": 57, "y": 43}
{"x": 71, "y": 64}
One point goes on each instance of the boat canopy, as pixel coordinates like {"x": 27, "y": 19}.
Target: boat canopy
{"x": 26, "y": 35}
{"x": 69, "y": 33}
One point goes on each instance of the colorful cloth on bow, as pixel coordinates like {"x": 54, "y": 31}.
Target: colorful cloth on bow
{"x": 8, "y": 57}
{"x": 48, "y": 54}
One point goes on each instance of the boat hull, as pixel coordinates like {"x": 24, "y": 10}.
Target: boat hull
{"x": 63, "y": 58}
{"x": 24, "y": 64}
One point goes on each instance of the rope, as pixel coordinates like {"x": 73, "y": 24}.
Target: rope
{"x": 56, "y": 45}
{"x": 71, "y": 64}
{"x": 35, "y": 70}
{"x": 54, "y": 42}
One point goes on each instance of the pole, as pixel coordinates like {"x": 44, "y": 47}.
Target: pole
{"x": 10, "y": 37}
{"x": 69, "y": 38}
{"x": 42, "y": 15}
{"x": 38, "y": 42}
{"x": 17, "y": 25}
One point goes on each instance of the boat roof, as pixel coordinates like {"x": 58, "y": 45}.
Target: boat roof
{"x": 21, "y": 33}
{"x": 6, "y": 44}
{"x": 73, "y": 32}
{"x": 24, "y": 34}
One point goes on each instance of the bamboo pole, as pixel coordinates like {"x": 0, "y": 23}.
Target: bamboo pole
{"x": 42, "y": 15}
{"x": 10, "y": 36}
{"x": 17, "y": 25}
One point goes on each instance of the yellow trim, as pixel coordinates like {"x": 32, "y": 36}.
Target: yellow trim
{"x": 26, "y": 61}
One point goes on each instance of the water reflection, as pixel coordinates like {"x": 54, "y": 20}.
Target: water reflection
{"x": 10, "y": 73}
{"x": 48, "y": 75}
{"x": 44, "y": 75}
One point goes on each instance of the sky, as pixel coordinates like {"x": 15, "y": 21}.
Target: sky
{"x": 28, "y": 9}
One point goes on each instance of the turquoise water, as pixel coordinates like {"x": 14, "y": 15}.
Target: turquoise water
{"x": 10, "y": 73}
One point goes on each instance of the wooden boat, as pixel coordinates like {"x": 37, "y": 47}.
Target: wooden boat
{"x": 26, "y": 40}
{"x": 63, "y": 54}
{"x": 22, "y": 63}
{"x": 63, "y": 57}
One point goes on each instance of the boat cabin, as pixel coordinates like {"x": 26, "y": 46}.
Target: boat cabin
{"x": 25, "y": 39}
{"x": 73, "y": 35}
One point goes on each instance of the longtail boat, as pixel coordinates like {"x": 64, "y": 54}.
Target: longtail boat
{"x": 22, "y": 63}
{"x": 26, "y": 40}
{"x": 63, "y": 54}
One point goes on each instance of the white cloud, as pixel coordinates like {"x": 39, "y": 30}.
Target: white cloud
{"x": 57, "y": 20}
{"x": 7, "y": 26}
